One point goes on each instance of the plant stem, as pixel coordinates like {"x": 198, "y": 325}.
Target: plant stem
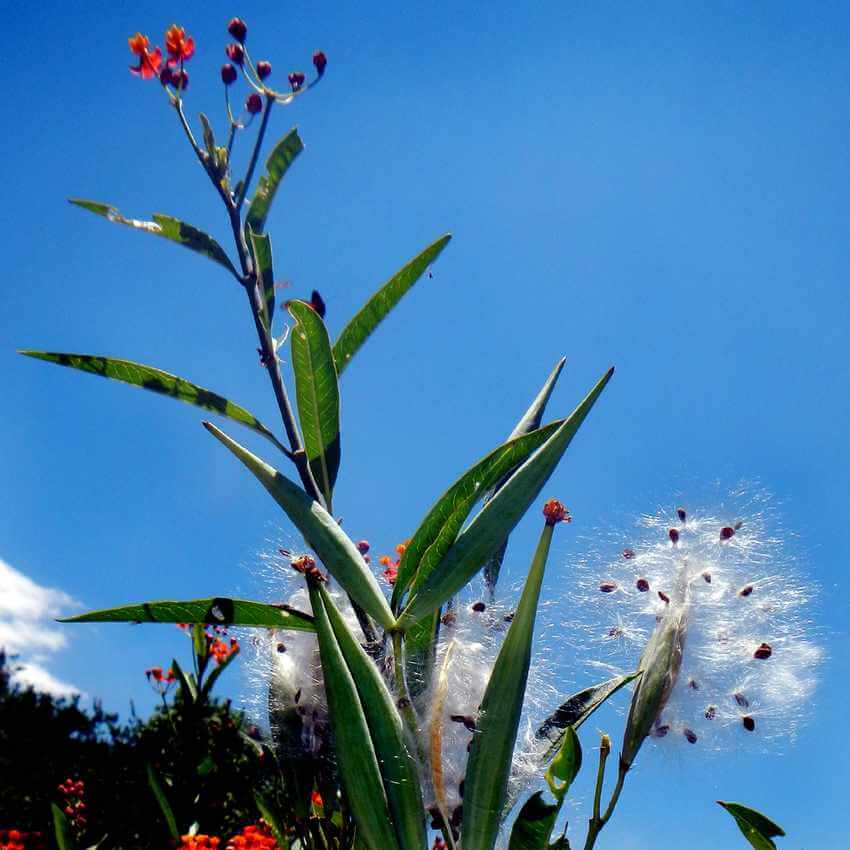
{"x": 255, "y": 154}
{"x": 597, "y": 822}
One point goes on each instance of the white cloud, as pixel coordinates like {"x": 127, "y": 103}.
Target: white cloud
{"x": 27, "y": 630}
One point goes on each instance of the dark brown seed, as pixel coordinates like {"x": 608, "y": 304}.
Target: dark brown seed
{"x": 508, "y": 618}
{"x": 628, "y": 554}
{"x": 281, "y": 647}
{"x": 608, "y": 586}
{"x": 763, "y": 652}
{"x": 741, "y": 700}
{"x": 673, "y": 534}
{"x": 457, "y": 816}
{"x": 737, "y": 525}
{"x": 660, "y": 731}
{"x": 693, "y": 684}
{"x": 642, "y": 585}
{"x": 403, "y": 702}
{"x": 749, "y": 723}
{"x": 298, "y": 695}
{"x": 710, "y": 712}
{"x": 726, "y": 532}
{"x": 690, "y": 735}
{"x": 468, "y": 722}
{"x": 615, "y": 631}
{"x": 746, "y": 590}
{"x": 448, "y": 619}
{"x": 707, "y": 576}
{"x": 460, "y": 788}
{"x": 663, "y": 597}
{"x": 682, "y": 514}
{"x": 478, "y": 607}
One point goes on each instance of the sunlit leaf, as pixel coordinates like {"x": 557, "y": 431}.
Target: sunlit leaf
{"x": 757, "y": 828}
{"x": 494, "y": 522}
{"x": 280, "y": 158}
{"x": 261, "y": 249}
{"x": 321, "y": 531}
{"x": 216, "y": 611}
{"x": 162, "y": 801}
{"x": 358, "y": 762}
{"x": 167, "y": 227}
{"x": 317, "y": 393}
{"x": 157, "y": 381}
{"x": 375, "y": 310}
{"x": 62, "y": 829}
{"x": 491, "y": 753}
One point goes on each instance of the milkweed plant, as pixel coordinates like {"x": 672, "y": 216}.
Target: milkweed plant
{"x": 398, "y": 697}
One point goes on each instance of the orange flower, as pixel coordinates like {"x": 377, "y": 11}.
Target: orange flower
{"x": 180, "y": 47}
{"x": 149, "y": 60}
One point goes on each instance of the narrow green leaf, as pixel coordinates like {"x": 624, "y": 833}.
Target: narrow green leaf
{"x": 218, "y": 611}
{"x": 280, "y": 158}
{"x": 576, "y": 709}
{"x": 491, "y": 753}
{"x": 495, "y": 521}
{"x": 358, "y": 761}
{"x": 270, "y": 816}
{"x": 375, "y": 310}
{"x": 439, "y": 529}
{"x": 261, "y": 249}
{"x": 186, "y": 681}
{"x": 157, "y": 381}
{"x": 321, "y": 531}
{"x": 167, "y": 227}
{"x": 62, "y": 829}
{"x": 398, "y": 768}
{"x": 164, "y": 805}
{"x": 317, "y": 393}
{"x": 757, "y": 828}
{"x": 566, "y": 764}
{"x": 530, "y": 421}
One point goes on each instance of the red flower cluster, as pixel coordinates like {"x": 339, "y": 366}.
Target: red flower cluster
{"x": 159, "y": 681}
{"x": 18, "y": 839}
{"x": 555, "y": 512}
{"x": 198, "y": 842}
{"x": 179, "y": 47}
{"x": 72, "y": 802}
{"x": 221, "y": 650}
{"x": 390, "y": 573}
{"x": 255, "y": 837}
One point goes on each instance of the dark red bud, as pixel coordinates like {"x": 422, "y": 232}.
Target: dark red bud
{"x": 763, "y": 652}
{"x": 264, "y": 69}
{"x": 254, "y": 103}
{"x": 726, "y": 532}
{"x": 167, "y": 76}
{"x": 296, "y": 80}
{"x": 682, "y": 514}
{"x": 318, "y": 303}
{"x": 228, "y": 73}
{"x": 235, "y": 53}
{"x": 673, "y": 534}
{"x": 362, "y": 546}
{"x": 628, "y": 554}
{"x": 608, "y": 586}
{"x": 642, "y": 585}
{"x": 555, "y": 512}
{"x": 180, "y": 79}
{"x": 690, "y": 735}
{"x": 320, "y": 62}
{"x": 238, "y": 29}
{"x": 749, "y": 723}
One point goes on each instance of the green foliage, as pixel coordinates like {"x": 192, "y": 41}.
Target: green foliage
{"x": 282, "y": 156}
{"x": 757, "y": 828}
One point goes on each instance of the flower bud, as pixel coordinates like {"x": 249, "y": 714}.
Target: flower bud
{"x": 264, "y": 68}
{"x": 362, "y": 546}
{"x": 180, "y": 79}
{"x": 238, "y": 29}
{"x": 235, "y": 53}
{"x": 254, "y": 103}
{"x": 228, "y": 73}
{"x": 296, "y": 80}
{"x": 555, "y": 512}
{"x": 320, "y": 62}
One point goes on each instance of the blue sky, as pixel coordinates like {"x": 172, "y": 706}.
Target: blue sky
{"x": 664, "y": 189}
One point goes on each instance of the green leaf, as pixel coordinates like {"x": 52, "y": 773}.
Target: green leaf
{"x": 534, "y": 824}
{"x": 218, "y": 611}
{"x": 529, "y": 422}
{"x": 757, "y": 828}
{"x": 280, "y": 158}
{"x": 62, "y": 829}
{"x": 495, "y": 521}
{"x": 396, "y": 763}
{"x": 317, "y": 393}
{"x": 491, "y": 753}
{"x": 576, "y": 709}
{"x": 157, "y": 381}
{"x": 321, "y": 531}
{"x": 261, "y": 249}
{"x": 168, "y": 228}
{"x": 355, "y": 752}
{"x": 164, "y": 805}
{"x": 187, "y": 682}
{"x": 566, "y": 764}
{"x": 439, "y": 529}
{"x": 375, "y": 310}
{"x": 270, "y": 816}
